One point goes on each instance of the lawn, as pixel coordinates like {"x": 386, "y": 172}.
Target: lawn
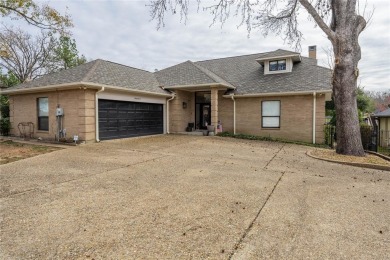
{"x": 13, "y": 151}
{"x": 384, "y": 150}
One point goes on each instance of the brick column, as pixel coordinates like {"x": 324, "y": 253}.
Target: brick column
{"x": 214, "y": 107}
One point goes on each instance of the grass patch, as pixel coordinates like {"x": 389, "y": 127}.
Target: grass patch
{"x": 384, "y": 150}
{"x": 14, "y": 151}
{"x": 269, "y": 139}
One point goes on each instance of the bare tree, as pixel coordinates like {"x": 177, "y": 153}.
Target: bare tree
{"x": 27, "y": 57}
{"x": 340, "y": 20}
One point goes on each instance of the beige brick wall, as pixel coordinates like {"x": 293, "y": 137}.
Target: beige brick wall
{"x": 179, "y": 117}
{"x": 225, "y": 112}
{"x": 296, "y": 118}
{"x": 79, "y": 113}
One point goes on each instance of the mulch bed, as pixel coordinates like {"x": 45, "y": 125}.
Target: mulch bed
{"x": 368, "y": 161}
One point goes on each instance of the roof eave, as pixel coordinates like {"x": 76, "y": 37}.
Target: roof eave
{"x": 76, "y": 85}
{"x": 294, "y": 57}
{"x": 273, "y": 94}
{"x": 194, "y": 86}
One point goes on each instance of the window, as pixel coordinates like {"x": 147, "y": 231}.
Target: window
{"x": 270, "y": 114}
{"x": 43, "y": 114}
{"x": 277, "y": 65}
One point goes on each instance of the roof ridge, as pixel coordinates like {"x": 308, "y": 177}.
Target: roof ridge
{"x": 201, "y": 69}
{"x": 211, "y": 74}
{"x": 235, "y": 56}
{"x": 123, "y": 65}
{"x": 231, "y": 57}
{"x": 91, "y": 70}
{"x": 157, "y": 72}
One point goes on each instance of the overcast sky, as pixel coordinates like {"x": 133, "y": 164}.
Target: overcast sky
{"x": 122, "y": 31}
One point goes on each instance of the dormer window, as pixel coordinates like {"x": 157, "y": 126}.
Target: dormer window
{"x": 279, "y": 61}
{"x": 277, "y": 65}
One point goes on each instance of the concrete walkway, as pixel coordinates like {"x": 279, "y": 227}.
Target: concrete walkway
{"x": 191, "y": 197}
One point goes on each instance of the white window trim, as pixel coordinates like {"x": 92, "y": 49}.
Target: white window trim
{"x": 262, "y": 116}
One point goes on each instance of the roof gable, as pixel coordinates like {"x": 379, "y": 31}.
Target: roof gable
{"x": 182, "y": 74}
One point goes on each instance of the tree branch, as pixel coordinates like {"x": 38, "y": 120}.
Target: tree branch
{"x": 320, "y": 22}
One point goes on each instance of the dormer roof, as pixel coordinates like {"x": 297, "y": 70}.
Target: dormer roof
{"x": 279, "y": 54}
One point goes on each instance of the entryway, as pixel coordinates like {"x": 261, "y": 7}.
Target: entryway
{"x": 202, "y": 109}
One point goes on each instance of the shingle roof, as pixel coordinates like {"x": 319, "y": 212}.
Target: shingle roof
{"x": 100, "y": 72}
{"x": 248, "y": 77}
{"x": 241, "y": 72}
{"x": 277, "y": 53}
{"x": 384, "y": 113}
{"x": 185, "y": 73}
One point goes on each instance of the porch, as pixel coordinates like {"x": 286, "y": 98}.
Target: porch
{"x": 198, "y": 106}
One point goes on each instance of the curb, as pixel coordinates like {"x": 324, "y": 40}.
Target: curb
{"x": 34, "y": 142}
{"x": 379, "y": 155}
{"x": 362, "y": 165}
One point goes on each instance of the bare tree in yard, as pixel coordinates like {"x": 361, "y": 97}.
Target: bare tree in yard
{"x": 26, "y": 56}
{"x": 338, "y": 19}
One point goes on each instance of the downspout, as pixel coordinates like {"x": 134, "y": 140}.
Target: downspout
{"x": 169, "y": 100}
{"x": 314, "y": 116}
{"x": 97, "y": 114}
{"x": 234, "y": 114}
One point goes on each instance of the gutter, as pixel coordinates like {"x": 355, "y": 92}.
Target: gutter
{"x": 97, "y": 114}
{"x": 169, "y": 100}
{"x": 234, "y": 114}
{"x": 76, "y": 85}
{"x": 200, "y": 85}
{"x": 278, "y": 94}
{"x": 314, "y": 116}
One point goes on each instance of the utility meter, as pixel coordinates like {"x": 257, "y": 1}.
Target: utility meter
{"x": 59, "y": 111}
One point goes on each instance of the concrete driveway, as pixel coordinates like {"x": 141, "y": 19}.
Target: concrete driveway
{"x": 186, "y": 197}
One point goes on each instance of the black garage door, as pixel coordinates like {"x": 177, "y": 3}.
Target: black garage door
{"x": 120, "y": 119}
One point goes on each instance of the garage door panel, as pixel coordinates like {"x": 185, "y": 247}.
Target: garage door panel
{"x": 120, "y": 119}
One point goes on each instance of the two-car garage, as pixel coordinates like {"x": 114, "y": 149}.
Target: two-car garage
{"x": 122, "y": 119}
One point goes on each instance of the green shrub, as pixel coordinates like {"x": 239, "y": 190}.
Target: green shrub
{"x": 5, "y": 126}
{"x": 267, "y": 138}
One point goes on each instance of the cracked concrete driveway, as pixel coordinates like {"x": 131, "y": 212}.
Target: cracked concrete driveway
{"x": 186, "y": 197}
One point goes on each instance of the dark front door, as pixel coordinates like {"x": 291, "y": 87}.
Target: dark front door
{"x": 202, "y": 109}
{"x": 203, "y": 115}
{"x": 121, "y": 119}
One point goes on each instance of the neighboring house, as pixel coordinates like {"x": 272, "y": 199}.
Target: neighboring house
{"x": 384, "y": 127}
{"x": 279, "y": 94}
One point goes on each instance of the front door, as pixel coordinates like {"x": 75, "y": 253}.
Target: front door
{"x": 202, "y": 109}
{"x": 204, "y": 116}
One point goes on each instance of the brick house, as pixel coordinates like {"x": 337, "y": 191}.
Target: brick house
{"x": 279, "y": 94}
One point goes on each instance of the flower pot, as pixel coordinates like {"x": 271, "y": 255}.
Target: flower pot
{"x": 210, "y": 128}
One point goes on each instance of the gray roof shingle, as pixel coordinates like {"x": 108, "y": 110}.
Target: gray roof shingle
{"x": 241, "y": 72}
{"x": 100, "y": 72}
{"x": 185, "y": 73}
{"x": 384, "y": 113}
{"x": 277, "y": 53}
{"x": 248, "y": 77}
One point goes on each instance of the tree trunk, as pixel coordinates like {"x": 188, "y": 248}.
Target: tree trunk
{"x": 347, "y": 52}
